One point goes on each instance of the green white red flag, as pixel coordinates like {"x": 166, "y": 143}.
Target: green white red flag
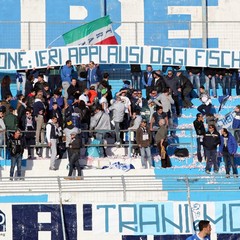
{"x": 98, "y": 32}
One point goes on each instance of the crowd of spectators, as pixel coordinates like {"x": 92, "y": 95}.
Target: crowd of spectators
{"x": 81, "y": 97}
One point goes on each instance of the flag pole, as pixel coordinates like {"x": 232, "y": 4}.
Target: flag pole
{"x": 49, "y": 45}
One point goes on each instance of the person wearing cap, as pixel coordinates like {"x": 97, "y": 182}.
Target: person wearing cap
{"x": 74, "y": 155}
{"x": 103, "y": 101}
{"x": 143, "y": 139}
{"x": 162, "y": 143}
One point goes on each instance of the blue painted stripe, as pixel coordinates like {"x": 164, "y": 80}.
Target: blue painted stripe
{"x": 87, "y": 217}
{"x": 24, "y": 199}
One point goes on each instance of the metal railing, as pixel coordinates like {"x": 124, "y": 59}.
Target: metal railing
{"x": 130, "y": 143}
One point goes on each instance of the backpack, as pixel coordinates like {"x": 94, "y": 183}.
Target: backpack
{"x": 181, "y": 152}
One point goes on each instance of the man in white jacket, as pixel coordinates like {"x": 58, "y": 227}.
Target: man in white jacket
{"x": 52, "y": 134}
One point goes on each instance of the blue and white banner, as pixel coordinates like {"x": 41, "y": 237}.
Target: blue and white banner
{"x": 112, "y": 54}
{"x": 113, "y": 221}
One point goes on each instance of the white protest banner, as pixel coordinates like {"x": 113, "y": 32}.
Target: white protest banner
{"x": 117, "y": 54}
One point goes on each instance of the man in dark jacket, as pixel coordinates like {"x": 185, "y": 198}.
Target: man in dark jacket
{"x": 228, "y": 149}
{"x": 158, "y": 82}
{"x": 210, "y": 141}
{"x": 16, "y": 146}
{"x": 173, "y": 83}
{"x": 186, "y": 89}
{"x": 143, "y": 139}
{"x": 74, "y": 155}
{"x": 200, "y": 131}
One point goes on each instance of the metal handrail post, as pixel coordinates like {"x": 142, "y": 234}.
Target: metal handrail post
{"x": 5, "y": 144}
{"x": 61, "y": 209}
{"x": 130, "y": 144}
{"x": 124, "y": 188}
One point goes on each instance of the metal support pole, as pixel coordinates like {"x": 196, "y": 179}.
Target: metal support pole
{"x": 61, "y": 209}
{"x": 204, "y": 24}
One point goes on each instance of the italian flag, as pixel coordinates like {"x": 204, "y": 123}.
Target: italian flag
{"x": 98, "y": 32}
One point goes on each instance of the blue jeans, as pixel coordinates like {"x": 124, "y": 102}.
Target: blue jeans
{"x": 195, "y": 78}
{"x": 213, "y": 84}
{"x": 146, "y": 153}
{"x": 17, "y": 159}
{"x": 211, "y": 156}
{"x": 136, "y": 80}
{"x": 226, "y": 85}
{"x": 229, "y": 162}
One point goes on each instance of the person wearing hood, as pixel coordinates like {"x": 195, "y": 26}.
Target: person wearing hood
{"x": 228, "y": 149}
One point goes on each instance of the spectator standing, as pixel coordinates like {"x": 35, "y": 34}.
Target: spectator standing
{"x": 21, "y": 81}
{"x": 105, "y": 84}
{"x": 11, "y": 121}
{"x": 29, "y": 85}
{"x": 210, "y": 78}
{"x": 143, "y": 139}
{"x": 100, "y": 121}
{"x": 74, "y": 155}
{"x": 16, "y": 146}
{"x": 118, "y": 110}
{"x": 2, "y": 132}
{"x": 54, "y": 78}
{"x": 166, "y": 101}
{"x": 73, "y": 90}
{"x": 66, "y": 76}
{"x": 204, "y": 231}
{"x": 194, "y": 74}
{"x": 93, "y": 75}
{"x": 52, "y": 135}
{"x": 200, "y": 131}
{"x": 147, "y": 80}
{"x": 5, "y": 87}
{"x": 186, "y": 89}
{"x": 173, "y": 83}
{"x": 206, "y": 106}
{"x": 29, "y": 128}
{"x": 162, "y": 143}
{"x": 210, "y": 142}
{"x": 238, "y": 82}
{"x": 158, "y": 82}
{"x": 228, "y": 149}
{"x": 136, "y": 75}
{"x": 236, "y": 123}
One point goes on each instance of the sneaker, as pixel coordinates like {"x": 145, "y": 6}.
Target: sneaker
{"x": 235, "y": 175}
{"x": 78, "y": 178}
{"x": 227, "y": 175}
{"x": 207, "y": 171}
{"x": 117, "y": 143}
{"x": 53, "y": 168}
{"x": 215, "y": 171}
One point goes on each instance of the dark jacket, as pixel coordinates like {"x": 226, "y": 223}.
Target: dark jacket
{"x": 185, "y": 82}
{"x": 15, "y": 146}
{"x": 211, "y": 140}
{"x": 158, "y": 84}
{"x": 75, "y": 145}
{"x": 139, "y": 137}
{"x": 231, "y": 144}
{"x": 199, "y": 127}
